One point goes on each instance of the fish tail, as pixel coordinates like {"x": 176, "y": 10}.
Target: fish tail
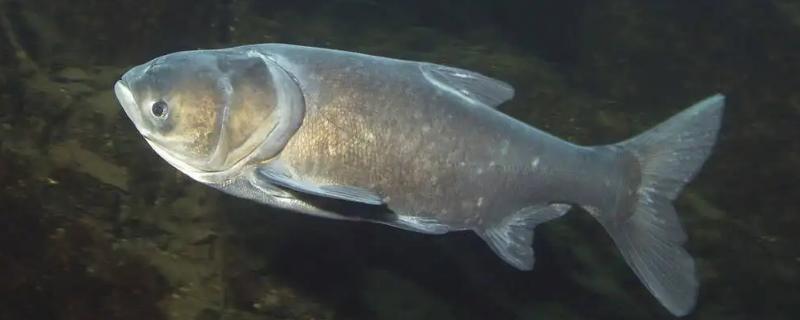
{"x": 644, "y": 225}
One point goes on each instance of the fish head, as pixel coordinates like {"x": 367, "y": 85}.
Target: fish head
{"x": 207, "y": 111}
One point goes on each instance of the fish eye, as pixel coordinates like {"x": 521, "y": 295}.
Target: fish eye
{"x": 160, "y": 109}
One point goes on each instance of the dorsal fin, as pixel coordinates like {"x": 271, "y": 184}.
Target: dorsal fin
{"x": 471, "y": 86}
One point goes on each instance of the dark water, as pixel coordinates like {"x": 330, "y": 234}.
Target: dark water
{"x": 93, "y": 225}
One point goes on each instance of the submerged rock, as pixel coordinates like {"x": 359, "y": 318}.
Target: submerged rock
{"x": 71, "y": 74}
{"x": 71, "y": 155}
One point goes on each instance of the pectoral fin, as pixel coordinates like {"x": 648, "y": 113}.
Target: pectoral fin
{"x": 282, "y": 176}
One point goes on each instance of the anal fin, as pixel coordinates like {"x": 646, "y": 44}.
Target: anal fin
{"x": 512, "y": 239}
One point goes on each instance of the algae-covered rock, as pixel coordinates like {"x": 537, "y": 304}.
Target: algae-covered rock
{"x": 59, "y": 259}
{"x": 71, "y": 155}
{"x": 71, "y": 74}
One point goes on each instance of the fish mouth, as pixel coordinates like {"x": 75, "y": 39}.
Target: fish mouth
{"x": 128, "y": 103}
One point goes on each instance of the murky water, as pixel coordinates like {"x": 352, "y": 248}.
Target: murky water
{"x": 93, "y": 225}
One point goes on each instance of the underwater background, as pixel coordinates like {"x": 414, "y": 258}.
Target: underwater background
{"x": 94, "y": 225}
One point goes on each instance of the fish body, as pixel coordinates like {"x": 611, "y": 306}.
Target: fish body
{"x": 418, "y": 146}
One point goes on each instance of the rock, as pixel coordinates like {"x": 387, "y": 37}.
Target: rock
{"x": 103, "y": 77}
{"x": 106, "y": 105}
{"x": 70, "y": 154}
{"x": 71, "y": 74}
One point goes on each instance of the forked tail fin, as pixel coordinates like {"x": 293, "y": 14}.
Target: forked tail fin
{"x": 650, "y": 237}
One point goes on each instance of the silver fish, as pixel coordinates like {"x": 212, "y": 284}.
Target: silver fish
{"x": 418, "y": 146}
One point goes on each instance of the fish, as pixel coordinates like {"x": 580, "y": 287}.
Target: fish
{"x": 418, "y": 146}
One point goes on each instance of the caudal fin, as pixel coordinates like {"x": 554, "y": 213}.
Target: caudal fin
{"x": 650, "y": 237}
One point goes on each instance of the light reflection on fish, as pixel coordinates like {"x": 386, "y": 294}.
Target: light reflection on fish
{"x": 418, "y": 146}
